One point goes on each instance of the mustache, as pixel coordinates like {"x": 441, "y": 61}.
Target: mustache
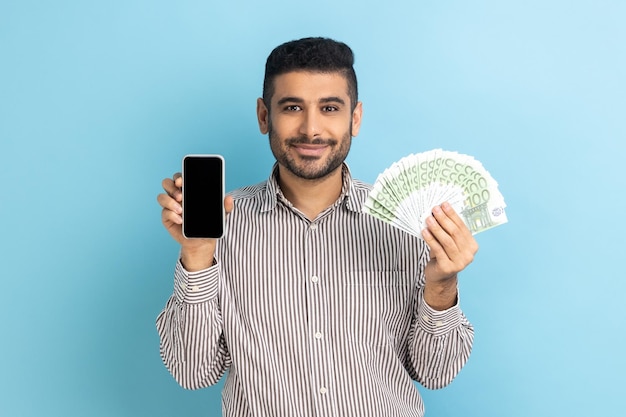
{"x": 303, "y": 140}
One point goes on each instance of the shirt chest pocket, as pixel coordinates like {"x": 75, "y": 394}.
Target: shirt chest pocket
{"x": 377, "y": 306}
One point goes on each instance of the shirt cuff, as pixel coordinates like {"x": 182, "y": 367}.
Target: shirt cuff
{"x": 195, "y": 287}
{"x": 438, "y": 322}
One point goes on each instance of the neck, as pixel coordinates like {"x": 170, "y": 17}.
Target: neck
{"x": 311, "y": 197}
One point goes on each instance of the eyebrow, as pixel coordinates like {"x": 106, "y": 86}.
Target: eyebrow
{"x": 323, "y": 100}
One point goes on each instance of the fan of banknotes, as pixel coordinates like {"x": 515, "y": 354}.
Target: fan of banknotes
{"x": 405, "y": 193}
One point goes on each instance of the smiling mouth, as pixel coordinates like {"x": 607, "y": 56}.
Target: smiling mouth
{"x": 310, "y": 150}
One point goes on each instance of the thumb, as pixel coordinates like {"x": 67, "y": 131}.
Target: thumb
{"x": 228, "y": 204}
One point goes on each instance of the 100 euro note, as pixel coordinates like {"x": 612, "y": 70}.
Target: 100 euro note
{"x": 405, "y": 193}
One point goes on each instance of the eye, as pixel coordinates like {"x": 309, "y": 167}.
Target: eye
{"x": 293, "y": 107}
{"x": 330, "y": 109}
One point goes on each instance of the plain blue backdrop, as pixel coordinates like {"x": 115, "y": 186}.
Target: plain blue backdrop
{"x": 99, "y": 100}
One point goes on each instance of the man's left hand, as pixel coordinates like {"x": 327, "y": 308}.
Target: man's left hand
{"x": 452, "y": 248}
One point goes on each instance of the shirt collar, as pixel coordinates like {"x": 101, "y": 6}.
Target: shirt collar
{"x": 273, "y": 192}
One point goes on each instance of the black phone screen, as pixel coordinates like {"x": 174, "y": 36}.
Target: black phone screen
{"x": 203, "y": 196}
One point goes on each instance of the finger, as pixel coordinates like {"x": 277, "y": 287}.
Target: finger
{"x": 454, "y": 226}
{"x": 436, "y": 251}
{"x": 440, "y": 264}
{"x": 455, "y": 218}
{"x": 457, "y": 242}
{"x": 168, "y": 203}
{"x": 229, "y": 204}
{"x": 178, "y": 179}
{"x": 443, "y": 214}
{"x": 170, "y": 187}
{"x": 169, "y": 217}
{"x": 461, "y": 234}
{"x": 443, "y": 237}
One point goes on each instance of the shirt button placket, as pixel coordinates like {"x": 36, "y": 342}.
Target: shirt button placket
{"x": 319, "y": 352}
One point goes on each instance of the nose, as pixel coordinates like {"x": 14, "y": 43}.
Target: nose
{"x": 310, "y": 125}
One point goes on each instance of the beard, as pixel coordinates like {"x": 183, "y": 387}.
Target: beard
{"x": 310, "y": 168}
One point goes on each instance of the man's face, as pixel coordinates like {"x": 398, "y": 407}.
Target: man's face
{"x": 310, "y": 124}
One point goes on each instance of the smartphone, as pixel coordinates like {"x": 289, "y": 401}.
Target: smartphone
{"x": 203, "y": 196}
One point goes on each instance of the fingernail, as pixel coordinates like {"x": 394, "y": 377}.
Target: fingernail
{"x": 437, "y": 209}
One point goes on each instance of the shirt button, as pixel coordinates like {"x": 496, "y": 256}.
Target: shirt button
{"x": 314, "y": 227}
{"x": 195, "y": 288}
{"x": 439, "y": 323}
{"x": 323, "y": 390}
{"x": 318, "y": 335}
{"x": 314, "y": 278}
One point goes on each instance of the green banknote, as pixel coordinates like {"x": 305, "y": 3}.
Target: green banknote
{"x": 405, "y": 193}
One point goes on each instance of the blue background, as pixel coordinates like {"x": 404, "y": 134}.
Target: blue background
{"x": 99, "y": 100}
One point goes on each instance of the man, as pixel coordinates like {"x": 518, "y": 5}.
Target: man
{"x": 314, "y": 308}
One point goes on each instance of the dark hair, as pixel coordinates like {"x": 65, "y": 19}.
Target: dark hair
{"x": 310, "y": 54}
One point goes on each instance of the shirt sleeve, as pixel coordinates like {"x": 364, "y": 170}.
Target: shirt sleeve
{"x": 192, "y": 343}
{"x": 441, "y": 342}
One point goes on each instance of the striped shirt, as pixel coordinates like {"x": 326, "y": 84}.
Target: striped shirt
{"x": 319, "y": 318}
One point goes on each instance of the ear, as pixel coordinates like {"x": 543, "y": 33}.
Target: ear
{"x": 262, "y": 115}
{"x": 356, "y": 118}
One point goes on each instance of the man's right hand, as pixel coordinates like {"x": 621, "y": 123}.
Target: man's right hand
{"x": 196, "y": 254}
